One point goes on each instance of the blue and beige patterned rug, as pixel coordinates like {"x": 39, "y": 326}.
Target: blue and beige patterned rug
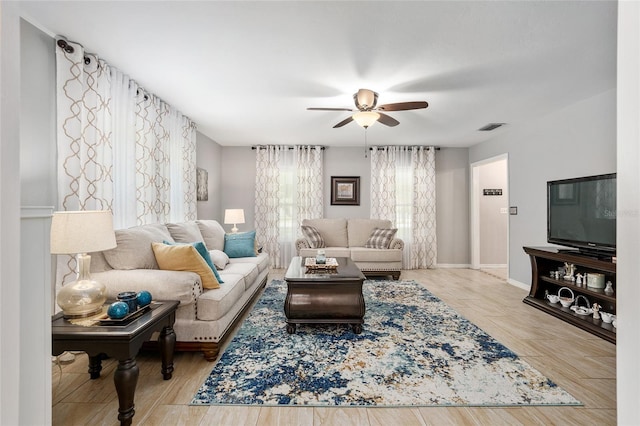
{"x": 414, "y": 351}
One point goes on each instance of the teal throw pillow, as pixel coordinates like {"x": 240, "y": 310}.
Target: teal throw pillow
{"x": 202, "y": 250}
{"x": 240, "y": 244}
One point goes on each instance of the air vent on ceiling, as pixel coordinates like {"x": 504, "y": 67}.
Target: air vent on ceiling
{"x": 491, "y": 126}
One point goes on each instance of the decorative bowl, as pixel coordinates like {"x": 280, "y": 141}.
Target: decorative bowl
{"x": 607, "y": 317}
{"x": 553, "y": 298}
{"x": 118, "y": 310}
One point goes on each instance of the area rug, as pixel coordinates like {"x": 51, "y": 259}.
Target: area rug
{"x": 414, "y": 350}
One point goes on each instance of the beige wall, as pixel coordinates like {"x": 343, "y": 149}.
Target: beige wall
{"x": 209, "y": 157}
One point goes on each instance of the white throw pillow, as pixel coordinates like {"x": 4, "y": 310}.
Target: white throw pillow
{"x": 219, "y": 259}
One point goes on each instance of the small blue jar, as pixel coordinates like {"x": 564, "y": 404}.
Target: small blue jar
{"x": 129, "y": 297}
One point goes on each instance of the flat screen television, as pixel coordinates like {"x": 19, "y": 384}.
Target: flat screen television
{"x": 581, "y": 213}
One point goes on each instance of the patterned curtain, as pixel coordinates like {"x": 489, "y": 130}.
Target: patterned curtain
{"x": 403, "y": 191}
{"x": 288, "y": 189}
{"x": 120, "y": 148}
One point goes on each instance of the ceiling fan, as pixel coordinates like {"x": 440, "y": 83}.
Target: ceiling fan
{"x": 368, "y": 112}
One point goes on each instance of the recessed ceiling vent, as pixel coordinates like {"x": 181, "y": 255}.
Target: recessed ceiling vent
{"x": 491, "y": 126}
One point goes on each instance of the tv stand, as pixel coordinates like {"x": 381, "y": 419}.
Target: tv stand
{"x": 547, "y": 259}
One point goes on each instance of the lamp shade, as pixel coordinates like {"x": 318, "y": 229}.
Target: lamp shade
{"x": 234, "y": 216}
{"x": 82, "y": 232}
{"x": 366, "y": 118}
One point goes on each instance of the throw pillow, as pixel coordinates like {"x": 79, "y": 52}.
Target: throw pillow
{"x": 312, "y": 236}
{"x": 380, "y": 238}
{"x": 184, "y": 257}
{"x": 219, "y": 258}
{"x": 202, "y": 251}
{"x": 240, "y": 244}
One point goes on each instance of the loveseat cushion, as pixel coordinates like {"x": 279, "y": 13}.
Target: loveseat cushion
{"x": 329, "y": 252}
{"x": 360, "y": 230}
{"x": 333, "y": 231}
{"x": 185, "y": 232}
{"x": 134, "y": 247}
{"x": 212, "y": 233}
{"x": 380, "y": 238}
{"x": 313, "y": 237}
{"x": 184, "y": 257}
{"x": 362, "y": 254}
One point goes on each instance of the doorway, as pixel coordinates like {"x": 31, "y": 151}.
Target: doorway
{"x": 490, "y": 216}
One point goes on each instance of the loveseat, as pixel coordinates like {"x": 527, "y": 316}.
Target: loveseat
{"x": 149, "y": 257}
{"x": 370, "y": 243}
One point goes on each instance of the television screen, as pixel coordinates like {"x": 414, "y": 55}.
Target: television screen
{"x": 581, "y": 212}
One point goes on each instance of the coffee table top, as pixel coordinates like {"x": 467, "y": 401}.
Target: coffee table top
{"x": 346, "y": 270}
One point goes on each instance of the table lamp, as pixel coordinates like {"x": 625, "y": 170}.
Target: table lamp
{"x": 234, "y": 216}
{"x": 82, "y": 232}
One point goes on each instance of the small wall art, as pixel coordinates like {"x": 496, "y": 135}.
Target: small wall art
{"x": 202, "y": 185}
{"x": 345, "y": 190}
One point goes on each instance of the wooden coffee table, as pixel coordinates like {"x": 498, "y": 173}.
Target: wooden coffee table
{"x": 121, "y": 342}
{"x": 324, "y": 296}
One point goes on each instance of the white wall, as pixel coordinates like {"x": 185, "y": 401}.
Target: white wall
{"x": 11, "y": 380}
{"x": 348, "y": 161}
{"x": 238, "y": 177}
{"x": 579, "y": 140}
{"x": 628, "y": 216}
{"x": 209, "y": 157}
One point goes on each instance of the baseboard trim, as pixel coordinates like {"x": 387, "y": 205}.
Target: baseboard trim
{"x": 492, "y": 266}
{"x": 453, "y": 265}
{"x": 518, "y": 284}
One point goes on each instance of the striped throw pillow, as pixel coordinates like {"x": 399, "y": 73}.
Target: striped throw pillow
{"x": 381, "y": 238}
{"x": 312, "y": 236}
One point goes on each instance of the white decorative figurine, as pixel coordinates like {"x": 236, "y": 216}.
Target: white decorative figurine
{"x": 596, "y": 308}
{"x": 579, "y": 279}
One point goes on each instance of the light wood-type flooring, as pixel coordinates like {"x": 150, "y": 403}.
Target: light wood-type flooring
{"x": 582, "y": 364}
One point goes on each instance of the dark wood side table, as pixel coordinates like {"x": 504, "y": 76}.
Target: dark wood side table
{"x": 324, "y": 296}
{"x": 121, "y": 342}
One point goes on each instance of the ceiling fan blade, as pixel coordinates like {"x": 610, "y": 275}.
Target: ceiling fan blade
{"x": 329, "y": 109}
{"x": 343, "y": 122}
{"x": 403, "y": 106}
{"x": 387, "y": 120}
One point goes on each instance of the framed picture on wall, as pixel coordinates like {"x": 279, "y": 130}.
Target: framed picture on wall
{"x": 345, "y": 190}
{"x": 202, "y": 185}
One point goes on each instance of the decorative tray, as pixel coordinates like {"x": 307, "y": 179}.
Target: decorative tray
{"x": 331, "y": 263}
{"x": 127, "y": 318}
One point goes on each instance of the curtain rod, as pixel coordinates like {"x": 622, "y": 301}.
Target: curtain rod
{"x": 437, "y": 148}
{"x": 288, "y": 147}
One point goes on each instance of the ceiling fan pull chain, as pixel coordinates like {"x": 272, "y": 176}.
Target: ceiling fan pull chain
{"x": 365, "y": 142}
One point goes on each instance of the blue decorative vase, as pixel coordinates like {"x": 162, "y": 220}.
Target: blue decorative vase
{"x": 118, "y": 310}
{"x": 143, "y": 298}
{"x": 129, "y": 297}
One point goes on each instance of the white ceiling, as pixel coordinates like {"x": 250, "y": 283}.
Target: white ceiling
{"x": 245, "y": 72}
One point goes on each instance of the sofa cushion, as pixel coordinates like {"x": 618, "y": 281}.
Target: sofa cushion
{"x": 214, "y": 304}
{"x": 212, "y": 233}
{"x": 134, "y": 247}
{"x": 185, "y": 232}
{"x": 202, "y": 251}
{"x": 329, "y": 252}
{"x": 184, "y": 257}
{"x": 261, "y": 260}
{"x": 333, "y": 231}
{"x": 360, "y": 230}
{"x": 381, "y": 238}
{"x": 219, "y": 259}
{"x": 248, "y": 270}
{"x": 362, "y": 254}
{"x": 241, "y": 244}
{"x": 312, "y": 236}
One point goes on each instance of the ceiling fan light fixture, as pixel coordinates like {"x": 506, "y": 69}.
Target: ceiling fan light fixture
{"x": 366, "y": 118}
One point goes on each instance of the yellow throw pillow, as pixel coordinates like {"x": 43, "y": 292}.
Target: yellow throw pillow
{"x": 184, "y": 258}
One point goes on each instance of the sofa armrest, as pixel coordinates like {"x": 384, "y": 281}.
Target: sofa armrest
{"x": 396, "y": 243}
{"x": 163, "y": 285}
{"x": 301, "y": 243}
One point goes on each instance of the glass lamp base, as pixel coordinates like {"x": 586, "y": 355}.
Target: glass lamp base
{"x": 81, "y": 298}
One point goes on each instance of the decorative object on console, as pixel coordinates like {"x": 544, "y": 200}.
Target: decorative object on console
{"x": 82, "y": 232}
{"x": 595, "y": 280}
{"x": 234, "y": 216}
{"x": 118, "y": 310}
{"x": 128, "y": 297}
{"x": 143, "y": 298}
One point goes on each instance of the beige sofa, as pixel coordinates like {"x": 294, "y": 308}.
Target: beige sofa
{"x": 347, "y": 238}
{"x": 204, "y": 317}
